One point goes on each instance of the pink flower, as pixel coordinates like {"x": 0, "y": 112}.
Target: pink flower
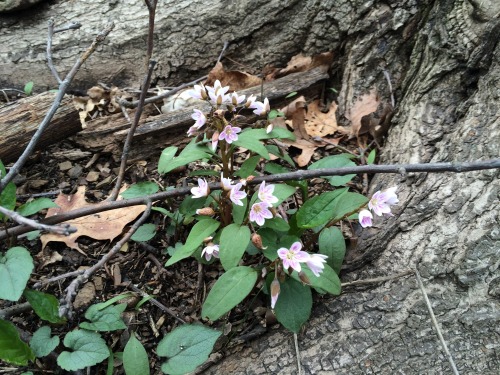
{"x": 215, "y": 140}
{"x": 210, "y": 250}
{"x": 293, "y": 257}
{"x": 382, "y": 201}
{"x": 259, "y": 213}
{"x": 315, "y": 263}
{"x": 266, "y": 194}
{"x": 198, "y": 92}
{"x": 192, "y": 130}
{"x": 202, "y": 190}
{"x": 237, "y": 195}
{"x": 275, "y": 292}
{"x": 199, "y": 117}
{"x": 365, "y": 218}
{"x": 230, "y": 134}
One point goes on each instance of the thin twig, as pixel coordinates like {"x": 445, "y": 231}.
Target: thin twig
{"x": 221, "y": 55}
{"x": 66, "y": 307}
{"x": 63, "y": 86}
{"x": 50, "y": 63}
{"x": 298, "y": 175}
{"x": 69, "y": 26}
{"x": 151, "y": 4}
{"x": 435, "y": 323}
{"x": 64, "y": 229}
{"x": 155, "y": 302}
{"x": 14, "y": 310}
{"x": 131, "y": 131}
{"x": 377, "y": 279}
{"x": 388, "y": 78}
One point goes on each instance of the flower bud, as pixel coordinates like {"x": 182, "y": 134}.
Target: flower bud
{"x": 205, "y": 211}
{"x": 207, "y": 239}
{"x": 303, "y": 277}
{"x": 250, "y": 178}
{"x": 275, "y": 292}
{"x": 257, "y": 241}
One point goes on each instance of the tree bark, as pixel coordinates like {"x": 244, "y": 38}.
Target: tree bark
{"x": 443, "y": 58}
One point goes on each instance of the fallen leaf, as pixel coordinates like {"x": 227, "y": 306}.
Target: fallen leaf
{"x": 102, "y": 226}
{"x": 365, "y": 105}
{"x": 54, "y": 257}
{"x": 301, "y": 63}
{"x": 235, "y": 79}
{"x": 319, "y": 124}
{"x": 85, "y": 295}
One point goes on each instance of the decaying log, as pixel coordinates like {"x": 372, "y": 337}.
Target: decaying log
{"x": 107, "y": 134}
{"x": 19, "y": 121}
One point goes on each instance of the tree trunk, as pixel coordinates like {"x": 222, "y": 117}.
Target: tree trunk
{"x": 443, "y": 59}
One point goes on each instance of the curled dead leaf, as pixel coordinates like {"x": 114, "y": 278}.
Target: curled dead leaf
{"x": 235, "y": 79}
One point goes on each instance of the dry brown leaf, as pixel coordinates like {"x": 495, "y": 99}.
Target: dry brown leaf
{"x": 366, "y": 104}
{"x": 319, "y": 124}
{"x": 301, "y": 63}
{"x": 53, "y": 258}
{"x": 102, "y": 226}
{"x": 235, "y": 79}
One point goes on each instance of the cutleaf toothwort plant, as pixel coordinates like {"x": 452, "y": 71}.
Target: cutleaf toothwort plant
{"x": 301, "y": 247}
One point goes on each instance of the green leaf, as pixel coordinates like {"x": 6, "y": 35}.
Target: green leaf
{"x": 189, "y": 205}
{"x": 144, "y": 233}
{"x": 233, "y": 242}
{"x": 318, "y": 210}
{"x": 231, "y": 288}
{"x": 28, "y": 88}
{"x": 348, "y": 203}
{"x": 275, "y": 150}
{"x": 190, "y": 153}
{"x": 240, "y": 211}
{"x": 328, "y": 280}
{"x": 186, "y": 347}
{"x": 335, "y": 161}
{"x": 8, "y": 198}
{"x": 248, "y": 167}
{"x": 12, "y": 349}
{"x": 273, "y": 113}
{"x": 46, "y": 306}
{"x": 202, "y": 172}
{"x": 15, "y": 270}
{"x": 34, "y": 206}
{"x": 371, "y": 156}
{"x": 247, "y": 140}
{"x": 107, "y": 319}
{"x": 293, "y": 93}
{"x": 199, "y": 232}
{"x": 33, "y": 235}
{"x": 141, "y": 189}
{"x": 41, "y": 343}
{"x": 277, "y": 224}
{"x": 294, "y": 304}
{"x": 332, "y": 244}
{"x": 135, "y": 357}
{"x": 89, "y": 349}
{"x": 282, "y": 192}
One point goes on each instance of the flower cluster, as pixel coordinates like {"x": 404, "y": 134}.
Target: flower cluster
{"x": 380, "y": 203}
{"x": 260, "y": 210}
{"x": 291, "y": 259}
{"x": 218, "y": 96}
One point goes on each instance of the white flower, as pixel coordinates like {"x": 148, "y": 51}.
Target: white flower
{"x": 266, "y": 194}
{"x": 365, "y": 218}
{"x": 210, "y": 250}
{"x": 315, "y": 263}
{"x": 237, "y": 195}
{"x": 202, "y": 190}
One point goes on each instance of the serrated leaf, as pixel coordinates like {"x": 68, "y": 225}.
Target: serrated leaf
{"x": 199, "y": 232}
{"x": 190, "y": 153}
{"x": 46, "y": 306}
{"x": 318, "y": 210}
{"x": 42, "y": 343}
{"x": 332, "y": 244}
{"x": 107, "y": 319}
{"x": 35, "y": 206}
{"x": 88, "y": 347}
{"x": 234, "y": 240}
{"x": 141, "y": 189}
{"x": 15, "y": 270}
{"x": 294, "y": 304}
{"x": 12, "y": 349}
{"x": 186, "y": 347}
{"x": 229, "y": 290}
{"x": 348, "y": 204}
{"x": 135, "y": 357}
{"x": 144, "y": 233}
{"x": 335, "y": 161}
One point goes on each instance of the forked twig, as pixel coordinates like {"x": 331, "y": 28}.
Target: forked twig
{"x": 64, "y": 229}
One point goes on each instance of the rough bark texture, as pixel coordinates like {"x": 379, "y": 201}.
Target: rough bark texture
{"x": 444, "y": 60}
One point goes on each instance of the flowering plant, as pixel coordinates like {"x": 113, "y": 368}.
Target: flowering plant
{"x": 237, "y": 218}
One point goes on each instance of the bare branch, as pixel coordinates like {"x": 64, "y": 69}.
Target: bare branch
{"x": 63, "y": 86}
{"x": 64, "y": 230}
{"x": 50, "y": 63}
{"x": 130, "y": 134}
{"x": 298, "y": 175}
{"x": 66, "y": 308}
